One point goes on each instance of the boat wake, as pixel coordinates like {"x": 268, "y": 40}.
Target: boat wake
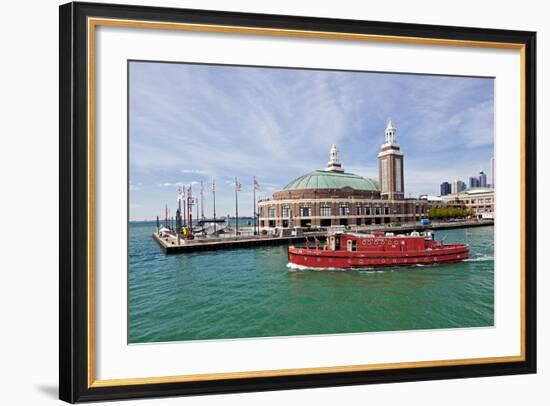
{"x": 296, "y": 267}
{"x": 482, "y": 258}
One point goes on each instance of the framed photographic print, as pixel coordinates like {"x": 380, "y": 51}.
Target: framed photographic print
{"x": 254, "y": 202}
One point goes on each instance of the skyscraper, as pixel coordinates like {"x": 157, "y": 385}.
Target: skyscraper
{"x": 473, "y": 182}
{"x": 493, "y": 172}
{"x": 445, "y": 188}
{"x": 457, "y": 186}
{"x": 482, "y": 179}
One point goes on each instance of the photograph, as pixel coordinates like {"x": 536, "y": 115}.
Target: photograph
{"x": 276, "y": 201}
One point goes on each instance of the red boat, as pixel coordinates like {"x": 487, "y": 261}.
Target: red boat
{"x": 349, "y": 250}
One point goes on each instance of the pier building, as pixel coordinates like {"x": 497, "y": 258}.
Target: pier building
{"x": 480, "y": 200}
{"x": 334, "y": 197}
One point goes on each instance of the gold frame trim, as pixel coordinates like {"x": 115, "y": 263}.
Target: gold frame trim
{"x": 94, "y": 22}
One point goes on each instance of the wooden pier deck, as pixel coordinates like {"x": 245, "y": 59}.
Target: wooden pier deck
{"x": 169, "y": 243}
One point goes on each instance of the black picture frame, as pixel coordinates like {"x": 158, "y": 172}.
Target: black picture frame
{"x": 74, "y": 385}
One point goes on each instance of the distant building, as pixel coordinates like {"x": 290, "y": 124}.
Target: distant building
{"x": 493, "y": 172}
{"x": 482, "y": 179}
{"x": 457, "y": 186}
{"x": 473, "y": 182}
{"x": 481, "y": 201}
{"x": 445, "y": 188}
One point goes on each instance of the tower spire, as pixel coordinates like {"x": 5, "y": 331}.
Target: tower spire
{"x": 334, "y": 164}
{"x": 390, "y": 132}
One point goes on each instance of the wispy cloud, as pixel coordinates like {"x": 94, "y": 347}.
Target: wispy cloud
{"x": 191, "y": 123}
{"x": 170, "y": 184}
{"x": 193, "y": 171}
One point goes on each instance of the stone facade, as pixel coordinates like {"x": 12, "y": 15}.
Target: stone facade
{"x": 303, "y": 209}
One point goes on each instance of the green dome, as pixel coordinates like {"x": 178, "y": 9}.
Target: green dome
{"x": 332, "y": 180}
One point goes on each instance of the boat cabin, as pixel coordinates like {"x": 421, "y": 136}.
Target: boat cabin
{"x": 380, "y": 242}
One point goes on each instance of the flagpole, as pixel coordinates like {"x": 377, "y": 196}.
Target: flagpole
{"x": 184, "y": 204}
{"x": 189, "y": 213}
{"x": 236, "y": 209}
{"x": 214, "y": 199}
{"x": 254, "y": 196}
{"x": 202, "y": 200}
{"x": 178, "y": 217}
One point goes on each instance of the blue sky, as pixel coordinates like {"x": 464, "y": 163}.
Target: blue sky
{"x": 197, "y": 122}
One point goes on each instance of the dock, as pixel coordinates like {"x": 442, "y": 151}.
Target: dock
{"x": 169, "y": 242}
{"x": 170, "y": 246}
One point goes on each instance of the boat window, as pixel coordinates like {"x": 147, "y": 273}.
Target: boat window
{"x": 364, "y": 242}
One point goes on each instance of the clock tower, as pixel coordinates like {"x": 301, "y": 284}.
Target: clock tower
{"x": 390, "y": 169}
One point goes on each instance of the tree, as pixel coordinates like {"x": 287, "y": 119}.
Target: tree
{"x": 441, "y": 212}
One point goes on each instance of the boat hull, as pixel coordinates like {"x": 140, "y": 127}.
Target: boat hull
{"x": 317, "y": 258}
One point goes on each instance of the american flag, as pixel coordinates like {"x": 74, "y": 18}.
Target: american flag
{"x": 237, "y": 185}
{"x": 256, "y": 184}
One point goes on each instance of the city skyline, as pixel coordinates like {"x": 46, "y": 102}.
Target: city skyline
{"x": 189, "y": 123}
{"x": 479, "y": 181}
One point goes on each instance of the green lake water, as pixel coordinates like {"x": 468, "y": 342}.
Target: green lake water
{"x": 250, "y": 292}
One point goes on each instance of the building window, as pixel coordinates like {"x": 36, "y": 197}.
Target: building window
{"x": 386, "y": 210}
{"x": 305, "y": 211}
{"x": 325, "y": 211}
{"x": 344, "y": 210}
{"x": 385, "y": 182}
{"x": 368, "y": 211}
{"x": 286, "y": 211}
{"x": 262, "y": 211}
{"x": 377, "y": 211}
{"x": 357, "y": 210}
{"x": 398, "y": 175}
{"x": 272, "y": 212}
